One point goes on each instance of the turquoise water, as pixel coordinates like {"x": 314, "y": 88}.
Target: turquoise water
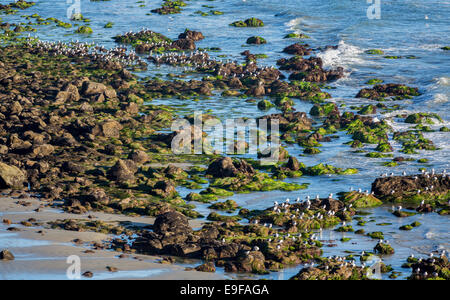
{"x": 408, "y": 27}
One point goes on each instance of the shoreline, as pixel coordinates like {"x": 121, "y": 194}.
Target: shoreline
{"x": 43, "y": 255}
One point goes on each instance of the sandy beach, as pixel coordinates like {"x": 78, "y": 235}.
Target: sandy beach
{"x": 41, "y": 253}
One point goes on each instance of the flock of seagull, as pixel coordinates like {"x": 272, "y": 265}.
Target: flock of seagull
{"x": 90, "y": 50}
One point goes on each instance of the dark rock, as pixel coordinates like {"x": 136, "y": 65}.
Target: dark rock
{"x": 173, "y": 222}
{"x": 226, "y": 167}
{"x": 6, "y": 255}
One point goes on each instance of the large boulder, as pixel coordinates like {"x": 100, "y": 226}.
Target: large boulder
{"x": 171, "y": 222}
{"x": 11, "y": 176}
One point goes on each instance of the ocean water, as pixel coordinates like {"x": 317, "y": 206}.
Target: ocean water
{"x": 408, "y": 27}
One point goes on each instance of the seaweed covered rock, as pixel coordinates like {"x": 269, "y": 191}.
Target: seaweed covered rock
{"x": 251, "y": 262}
{"x": 360, "y": 200}
{"x": 380, "y": 91}
{"x": 321, "y": 110}
{"x": 332, "y": 270}
{"x": 383, "y": 248}
{"x": 251, "y": 22}
{"x": 257, "y": 40}
{"x": 435, "y": 267}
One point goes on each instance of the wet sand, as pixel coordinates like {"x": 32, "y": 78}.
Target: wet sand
{"x": 43, "y": 255}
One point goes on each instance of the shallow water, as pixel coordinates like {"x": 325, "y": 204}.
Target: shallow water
{"x": 408, "y": 27}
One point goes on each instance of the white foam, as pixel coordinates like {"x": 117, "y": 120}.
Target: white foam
{"x": 443, "y": 81}
{"x": 346, "y": 56}
{"x": 437, "y": 99}
{"x": 294, "y": 23}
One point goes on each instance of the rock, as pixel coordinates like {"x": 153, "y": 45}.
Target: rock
{"x": 68, "y": 94}
{"x": 111, "y": 128}
{"x": 120, "y": 172}
{"x": 383, "y": 248}
{"x": 165, "y": 189}
{"x": 15, "y": 108}
{"x": 225, "y": 167}
{"x": 72, "y": 168}
{"x": 86, "y": 108}
{"x": 185, "y": 250}
{"x": 171, "y": 222}
{"x": 297, "y": 49}
{"x": 11, "y": 177}
{"x": 257, "y": 91}
{"x": 6, "y": 255}
{"x": 43, "y": 150}
{"x": 139, "y": 157}
{"x": 293, "y": 164}
{"x": 88, "y": 274}
{"x": 184, "y": 44}
{"x": 425, "y": 208}
{"x": 406, "y": 188}
{"x": 256, "y": 40}
{"x": 96, "y": 195}
{"x": 90, "y": 88}
{"x": 253, "y": 262}
{"x": 131, "y": 108}
{"x": 191, "y": 35}
{"x": 112, "y": 269}
{"x": 206, "y": 267}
